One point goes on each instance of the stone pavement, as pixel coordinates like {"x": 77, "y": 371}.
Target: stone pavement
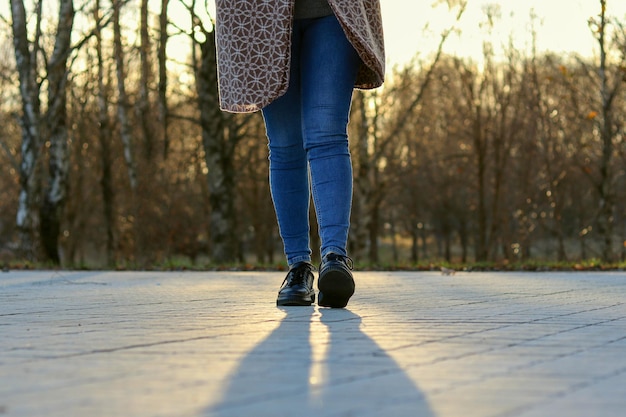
{"x": 409, "y": 344}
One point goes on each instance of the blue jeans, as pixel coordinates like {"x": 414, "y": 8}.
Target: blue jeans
{"x": 308, "y": 139}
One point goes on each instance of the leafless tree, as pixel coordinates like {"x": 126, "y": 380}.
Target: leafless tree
{"x": 375, "y": 145}
{"x": 26, "y": 60}
{"x": 162, "y": 86}
{"x": 105, "y": 139}
{"x": 142, "y": 105}
{"x": 123, "y": 104}
{"x": 56, "y": 124}
{"x": 48, "y": 129}
{"x": 609, "y": 88}
{"x": 221, "y": 134}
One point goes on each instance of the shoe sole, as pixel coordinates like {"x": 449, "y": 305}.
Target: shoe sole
{"x": 295, "y": 301}
{"x": 336, "y": 287}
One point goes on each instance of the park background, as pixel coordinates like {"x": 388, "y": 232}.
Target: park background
{"x": 497, "y": 139}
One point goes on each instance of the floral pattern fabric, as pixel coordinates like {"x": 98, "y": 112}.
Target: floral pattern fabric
{"x": 254, "y": 48}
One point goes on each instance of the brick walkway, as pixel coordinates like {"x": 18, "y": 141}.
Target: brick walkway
{"x": 214, "y": 344}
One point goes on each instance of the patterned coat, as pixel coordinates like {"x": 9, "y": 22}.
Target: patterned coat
{"x": 254, "y": 48}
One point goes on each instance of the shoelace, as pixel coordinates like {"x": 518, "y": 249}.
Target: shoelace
{"x": 296, "y": 276}
{"x": 345, "y": 259}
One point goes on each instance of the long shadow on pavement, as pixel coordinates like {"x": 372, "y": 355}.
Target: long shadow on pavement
{"x": 319, "y": 363}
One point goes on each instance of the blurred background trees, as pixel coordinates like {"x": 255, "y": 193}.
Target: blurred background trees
{"x": 113, "y": 151}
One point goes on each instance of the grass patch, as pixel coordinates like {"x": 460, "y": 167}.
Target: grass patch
{"x": 185, "y": 264}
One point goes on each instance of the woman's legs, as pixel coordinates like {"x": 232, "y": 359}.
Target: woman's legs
{"x": 289, "y": 173}
{"x": 329, "y": 66}
{"x": 307, "y": 129}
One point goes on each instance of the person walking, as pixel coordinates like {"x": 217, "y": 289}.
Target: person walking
{"x": 298, "y": 61}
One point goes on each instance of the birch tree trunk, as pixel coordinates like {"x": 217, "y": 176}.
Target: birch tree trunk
{"x": 126, "y": 134}
{"x": 30, "y": 175}
{"x": 122, "y": 108}
{"x": 56, "y": 124}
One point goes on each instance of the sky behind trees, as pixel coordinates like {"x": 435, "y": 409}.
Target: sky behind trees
{"x": 561, "y": 26}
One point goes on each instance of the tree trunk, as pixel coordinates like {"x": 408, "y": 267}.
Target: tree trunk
{"x": 464, "y": 239}
{"x": 162, "y": 87}
{"x": 104, "y": 138}
{"x": 122, "y": 108}
{"x": 219, "y": 140}
{"x": 482, "y": 245}
{"x": 369, "y": 189}
{"x": 415, "y": 245}
{"x": 143, "y": 101}
{"x": 360, "y": 217}
{"x": 56, "y": 123}
{"x": 126, "y": 133}
{"x": 605, "y": 188}
{"x": 394, "y": 241}
{"x": 30, "y": 174}
{"x": 447, "y": 246}
{"x": 373, "y": 229}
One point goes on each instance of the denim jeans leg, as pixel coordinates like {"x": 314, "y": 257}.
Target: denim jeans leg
{"x": 329, "y": 68}
{"x": 289, "y": 174}
{"x": 307, "y": 132}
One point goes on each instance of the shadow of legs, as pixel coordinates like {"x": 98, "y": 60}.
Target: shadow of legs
{"x": 319, "y": 362}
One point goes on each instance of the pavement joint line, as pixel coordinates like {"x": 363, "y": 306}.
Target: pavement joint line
{"x": 566, "y": 392}
{"x": 527, "y": 365}
{"x": 462, "y": 335}
{"x": 123, "y": 348}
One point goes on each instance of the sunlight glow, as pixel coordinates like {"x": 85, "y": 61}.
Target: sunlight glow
{"x": 319, "y": 339}
{"x": 413, "y": 27}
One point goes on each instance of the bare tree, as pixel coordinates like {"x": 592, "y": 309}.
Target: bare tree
{"x": 360, "y": 220}
{"x": 26, "y": 56}
{"x": 258, "y": 221}
{"x": 376, "y": 145}
{"x": 10, "y": 136}
{"x": 610, "y": 86}
{"x": 56, "y": 124}
{"x": 221, "y": 133}
{"x": 143, "y": 100}
{"x": 595, "y": 90}
{"x": 220, "y": 136}
{"x": 39, "y": 129}
{"x": 123, "y": 101}
{"x": 104, "y": 139}
{"x": 162, "y": 87}
{"x": 368, "y": 189}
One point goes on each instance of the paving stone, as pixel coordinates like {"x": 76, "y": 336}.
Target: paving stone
{"x": 415, "y": 344}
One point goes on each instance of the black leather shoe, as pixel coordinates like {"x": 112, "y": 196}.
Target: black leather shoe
{"x": 297, "y": 288}
{"x": 335, "y": 283}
